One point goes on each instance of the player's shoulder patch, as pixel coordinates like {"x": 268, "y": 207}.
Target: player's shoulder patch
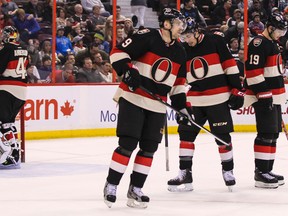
{"x": 257, "y": 42}
{"x": 219, "y": 33}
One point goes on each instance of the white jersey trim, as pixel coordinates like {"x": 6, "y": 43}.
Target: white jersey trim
{"x": 18, "y": 91}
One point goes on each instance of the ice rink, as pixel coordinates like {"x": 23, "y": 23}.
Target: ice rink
{"x": 65, "y": 177}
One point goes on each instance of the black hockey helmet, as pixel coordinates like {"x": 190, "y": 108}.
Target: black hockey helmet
{"x": 191, "y": 25}
{"x": 277, "y": 21}
{"x": 169, "y": 14}
{"x": 9, "y": 34}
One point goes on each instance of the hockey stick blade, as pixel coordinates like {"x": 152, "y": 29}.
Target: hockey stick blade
{"x": 182, "y": 114}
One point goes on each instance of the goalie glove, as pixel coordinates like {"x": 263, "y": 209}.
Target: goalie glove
{"x": 265, "y": 100}
{"x": 132, "y": 77}
{"x": 188, "y": 112}
{"x": 236, "y": 99}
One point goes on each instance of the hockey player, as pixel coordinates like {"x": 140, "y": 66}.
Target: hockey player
{"x": 266, "y": 93}
{"x": 215, "y": 88}
{"x": 13, "y": 79}
{"x": 155, "y": 60}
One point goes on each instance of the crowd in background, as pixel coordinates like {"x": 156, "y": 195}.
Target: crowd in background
{"x": 84, "y": 31}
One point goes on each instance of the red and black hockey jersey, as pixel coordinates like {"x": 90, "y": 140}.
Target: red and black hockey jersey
{"x": 161, "y": 66}
{"x": 264, "y": 70}
{"x": 211, "y": 71}
{"x": 13, "y": 74}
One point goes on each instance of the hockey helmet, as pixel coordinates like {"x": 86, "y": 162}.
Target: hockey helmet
{"x": 170, "y": 14}
{"x": 191, "y": 25}
{"x": 9, "y": 34}
{"x": 277, "y": 21}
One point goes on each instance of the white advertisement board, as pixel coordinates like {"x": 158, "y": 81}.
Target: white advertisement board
{"x": 83, "y": 107}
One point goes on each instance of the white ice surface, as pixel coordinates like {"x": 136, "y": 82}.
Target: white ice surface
{"x": 65, "y": 177}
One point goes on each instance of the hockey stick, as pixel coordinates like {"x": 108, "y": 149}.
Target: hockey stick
{"x": 166, "y": 146}
{"x": 284, "y": 129}
{"x": 182, "y": 114}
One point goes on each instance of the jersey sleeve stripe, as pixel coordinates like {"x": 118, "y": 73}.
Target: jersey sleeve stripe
{"x": 117, "y": 56}
{"x": 209, "y": 91}
{"x": 228, "y": 64}
{"x": 255, "y": 80}
{"x": 254, "y": 72}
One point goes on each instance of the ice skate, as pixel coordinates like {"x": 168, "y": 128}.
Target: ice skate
{"x": 265, "y": 180}
{"x": 136, "y": 198}
{"x": 229, "y": 179}
{"x": 182, "y": 182}
{"x": 109, "y": 194}
{"x": 280, "y": 178}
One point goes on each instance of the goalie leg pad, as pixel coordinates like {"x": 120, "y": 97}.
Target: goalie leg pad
{"x": 11, "y": 158}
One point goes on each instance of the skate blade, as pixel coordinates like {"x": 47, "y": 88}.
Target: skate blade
{"x": 108, "y": 203}
{"x": 259, "y": 184}
{"x": 230, "y": 188}
{"x": 134, "y": 204}
{"x": 180, "y": 188}
{"x": 281, "y": 182}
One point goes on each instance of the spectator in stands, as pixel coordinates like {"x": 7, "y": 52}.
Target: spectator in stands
{"x": 97, "y": 61}
{"x": 63, "y": 44}
{"x": 108, "y": 31}
{"x": 9, "y": 8}
{"x": 47, "y": 12}
{"x": 28, "y": 28}
{"x": 257, "y": 7}
{"x": 234, "y": 48}
{"x": 235, "y": 32}
{"x": 78, "y": 44}
{"x": 256, "y": 26}
{"x": 88, "y": 7}
{"x": 119, "y": 35}
{"x": 119, "y": 17}
{"x": 87, "y": 73}
{"x": 206, "y": 6}
{"x": 61, "y": 16}
{"x": 97, "y": 21}
{"x": 33, "y": 7}
{"x": 45, "y": 69}
{"x": 236, "y": 18}
{"x": 32, "y": 72}
{"x": 128, "y": 27}
{"x": 66, "y": 75}
{"x": 223, "y": 12}
{"x": 5, "y": 20}
{"x": 103, "y": 45}
{"x": 81, "y": 18}
{"x": 190, "y": 10}
{"x": 138, "y": 8}
{"x": 89, "y": 52}
{"x": 46, "y": 50}
{"x": 240, "y": 63}
{"x": 33, "y": 50}
{"x": 106, "y": 71}
{"x": 70, "y": 58}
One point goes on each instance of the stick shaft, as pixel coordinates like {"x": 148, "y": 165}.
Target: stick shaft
{"x": 166, "y": 146}
{"x": 182, "y": 114}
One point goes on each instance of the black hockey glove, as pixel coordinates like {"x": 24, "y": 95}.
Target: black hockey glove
{"x": 236, "y": 99}
{"x": 132, "y": 77}
{"x": 188, "y": 112}
{"x": 265, "y": 100}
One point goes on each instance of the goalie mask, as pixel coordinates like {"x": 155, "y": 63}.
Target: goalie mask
{"x": 10, "y": 34}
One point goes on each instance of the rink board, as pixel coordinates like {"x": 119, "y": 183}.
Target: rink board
{"x": 89, "y": 110}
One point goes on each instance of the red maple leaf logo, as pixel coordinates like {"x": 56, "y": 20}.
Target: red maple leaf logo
{"x": 67, "y": 109}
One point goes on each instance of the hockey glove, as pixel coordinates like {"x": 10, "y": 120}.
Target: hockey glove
{"x": 132, "y": 77}
{"x": 265, "y": 100}
{"x": 236, "y": 99}
{"x": 188, "y": 112}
